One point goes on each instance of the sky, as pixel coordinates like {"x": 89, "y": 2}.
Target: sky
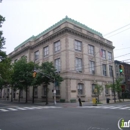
{"x": 25, "y": 18}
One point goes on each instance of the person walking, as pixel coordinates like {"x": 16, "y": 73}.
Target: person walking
{"x": 80, "y": 102}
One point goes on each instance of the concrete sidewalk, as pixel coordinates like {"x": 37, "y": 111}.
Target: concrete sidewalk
{"x": 102, "y": 102}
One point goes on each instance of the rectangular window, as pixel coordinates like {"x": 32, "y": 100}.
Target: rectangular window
{"x": 104, "y": 70}
{"x": 106, "y": 90}
{"x": 93, "y": 88}
{"x": 36, "y": 55}
{"x": 109, "y": 56}
{"x": 78, "y": 45}
{"x": 91, "y": 50}
{"x": 80, "y": 89}
{"x": 92, "y": 67}
{"x": 103, "y": 54}
{"x": 57, "y": 65}
{"x": 78, "y": 64}
{"x": 57, "y": 46}
{"x": 45, "y": 51}
{"x": 44, "y": 90}
{"x": 21, "y": 93}
{"x": 110, "y": 70}
{"x": 57, "y": 90}
{"x": 36, "y": 91}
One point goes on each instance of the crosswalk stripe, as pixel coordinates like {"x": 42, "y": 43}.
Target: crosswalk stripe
{"x": 124, "y": 108}
{"x": 12, "y": 109}
{"x": 4, "y": 110}
{"x": 106, "y": 107}
{"x": 114, "y": 107}
{"x": 19, "y": 108}
{"x": 30, "y": 108}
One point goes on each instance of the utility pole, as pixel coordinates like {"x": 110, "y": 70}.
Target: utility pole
{"x": 113, "y": 86}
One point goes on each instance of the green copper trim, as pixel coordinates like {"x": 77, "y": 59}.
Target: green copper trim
{"x": 29, "y": 39}
{"x": 57, "y": 24}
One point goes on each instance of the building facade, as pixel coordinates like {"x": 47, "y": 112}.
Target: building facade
{"x": 81, "y": 55}
{"x": 125, "y": 75}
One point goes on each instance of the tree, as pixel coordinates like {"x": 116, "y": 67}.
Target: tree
{"x": 2, "y": 39}
{"x": 47, "y": 75}
{"x": 98, "y": 90}
{"x": 23, "y": 74}
{"x": 116, "y": 86}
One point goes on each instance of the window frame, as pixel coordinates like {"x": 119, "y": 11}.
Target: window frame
{"x": 92, "y": 67}
{"x": 80, "y": 88}
{"x": 57, "y": 90}
{"x": 103, "y": 53}
{"x": 46, "y": 51}
{"x": 57, "y": 46}
{"x": 78, "y": 65}
{"x": 58, "y": 64}
{"x": 36, "y": 91}
{"x": 36, "y": 57}
{"x": 110, "y": 70}
{"x": 104, "y": 65}
{"x": 109, "y": 56}
{"x": 93, "y": 88}
{"x": 91, "y": 49}
{"x": 106, "y": 90}
{"x": 78, "y": 45}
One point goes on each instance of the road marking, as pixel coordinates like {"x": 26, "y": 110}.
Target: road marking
{"x": 124, "y": 108}
{"x": 3, "y": 110}
{"x": 114, "y": 107}
{"x": 30, "y": 108}
{"x": 12, "y": 109}
{"x": 19, "y": 108}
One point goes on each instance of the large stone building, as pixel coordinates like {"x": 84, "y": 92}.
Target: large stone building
{"x": 81, "y": 55}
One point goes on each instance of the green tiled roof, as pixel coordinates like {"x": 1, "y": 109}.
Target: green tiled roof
{"x": 57, "y": 24}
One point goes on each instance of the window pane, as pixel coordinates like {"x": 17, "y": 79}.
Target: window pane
{"x": 45, "y": 51}
{"x": 57, "y": 46}
{"x": 78, "y": 45}
{"x": 80, "y": 89}
{"x": 36, "y": 55}
{"x": 57, "y": 65}
{"x": 104, "y": 70}
{"x": 109, "y": 56}
{"x": 91, "y": 50}
{"x": 110, "y": 70}
{"x": 93, "y": 88}
{"x": 92, "y": 67}
{"x": 106, "y": 90}
{"x": 78, "y": 64}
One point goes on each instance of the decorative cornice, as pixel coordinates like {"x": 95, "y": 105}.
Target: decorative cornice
{"x": 66, "y": 19}
{"x": 60, "y": 32}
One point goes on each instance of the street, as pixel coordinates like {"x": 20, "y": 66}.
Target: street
{"x": 35, "y": 117}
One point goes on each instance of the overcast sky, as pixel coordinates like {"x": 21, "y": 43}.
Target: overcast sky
{"x": 25, "y": 18}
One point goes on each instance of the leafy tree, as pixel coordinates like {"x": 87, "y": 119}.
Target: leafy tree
{"x": 116, "y": 86}
{"x": 23, "y": 74}
{"x": 2, "y": 39}
{"x": 98, "y": 90}
{"x": 46, "y": 75}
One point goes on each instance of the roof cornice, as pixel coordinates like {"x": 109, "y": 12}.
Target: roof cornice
{"x": 66, "y": 19}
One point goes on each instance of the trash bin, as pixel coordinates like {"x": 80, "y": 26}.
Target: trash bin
{"x": 107, "y": 100}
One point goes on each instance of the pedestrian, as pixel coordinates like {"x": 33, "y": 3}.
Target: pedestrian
{"x": 80, "y": 102}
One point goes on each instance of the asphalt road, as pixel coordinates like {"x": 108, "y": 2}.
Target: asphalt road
{"x": 58, "y": 118}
